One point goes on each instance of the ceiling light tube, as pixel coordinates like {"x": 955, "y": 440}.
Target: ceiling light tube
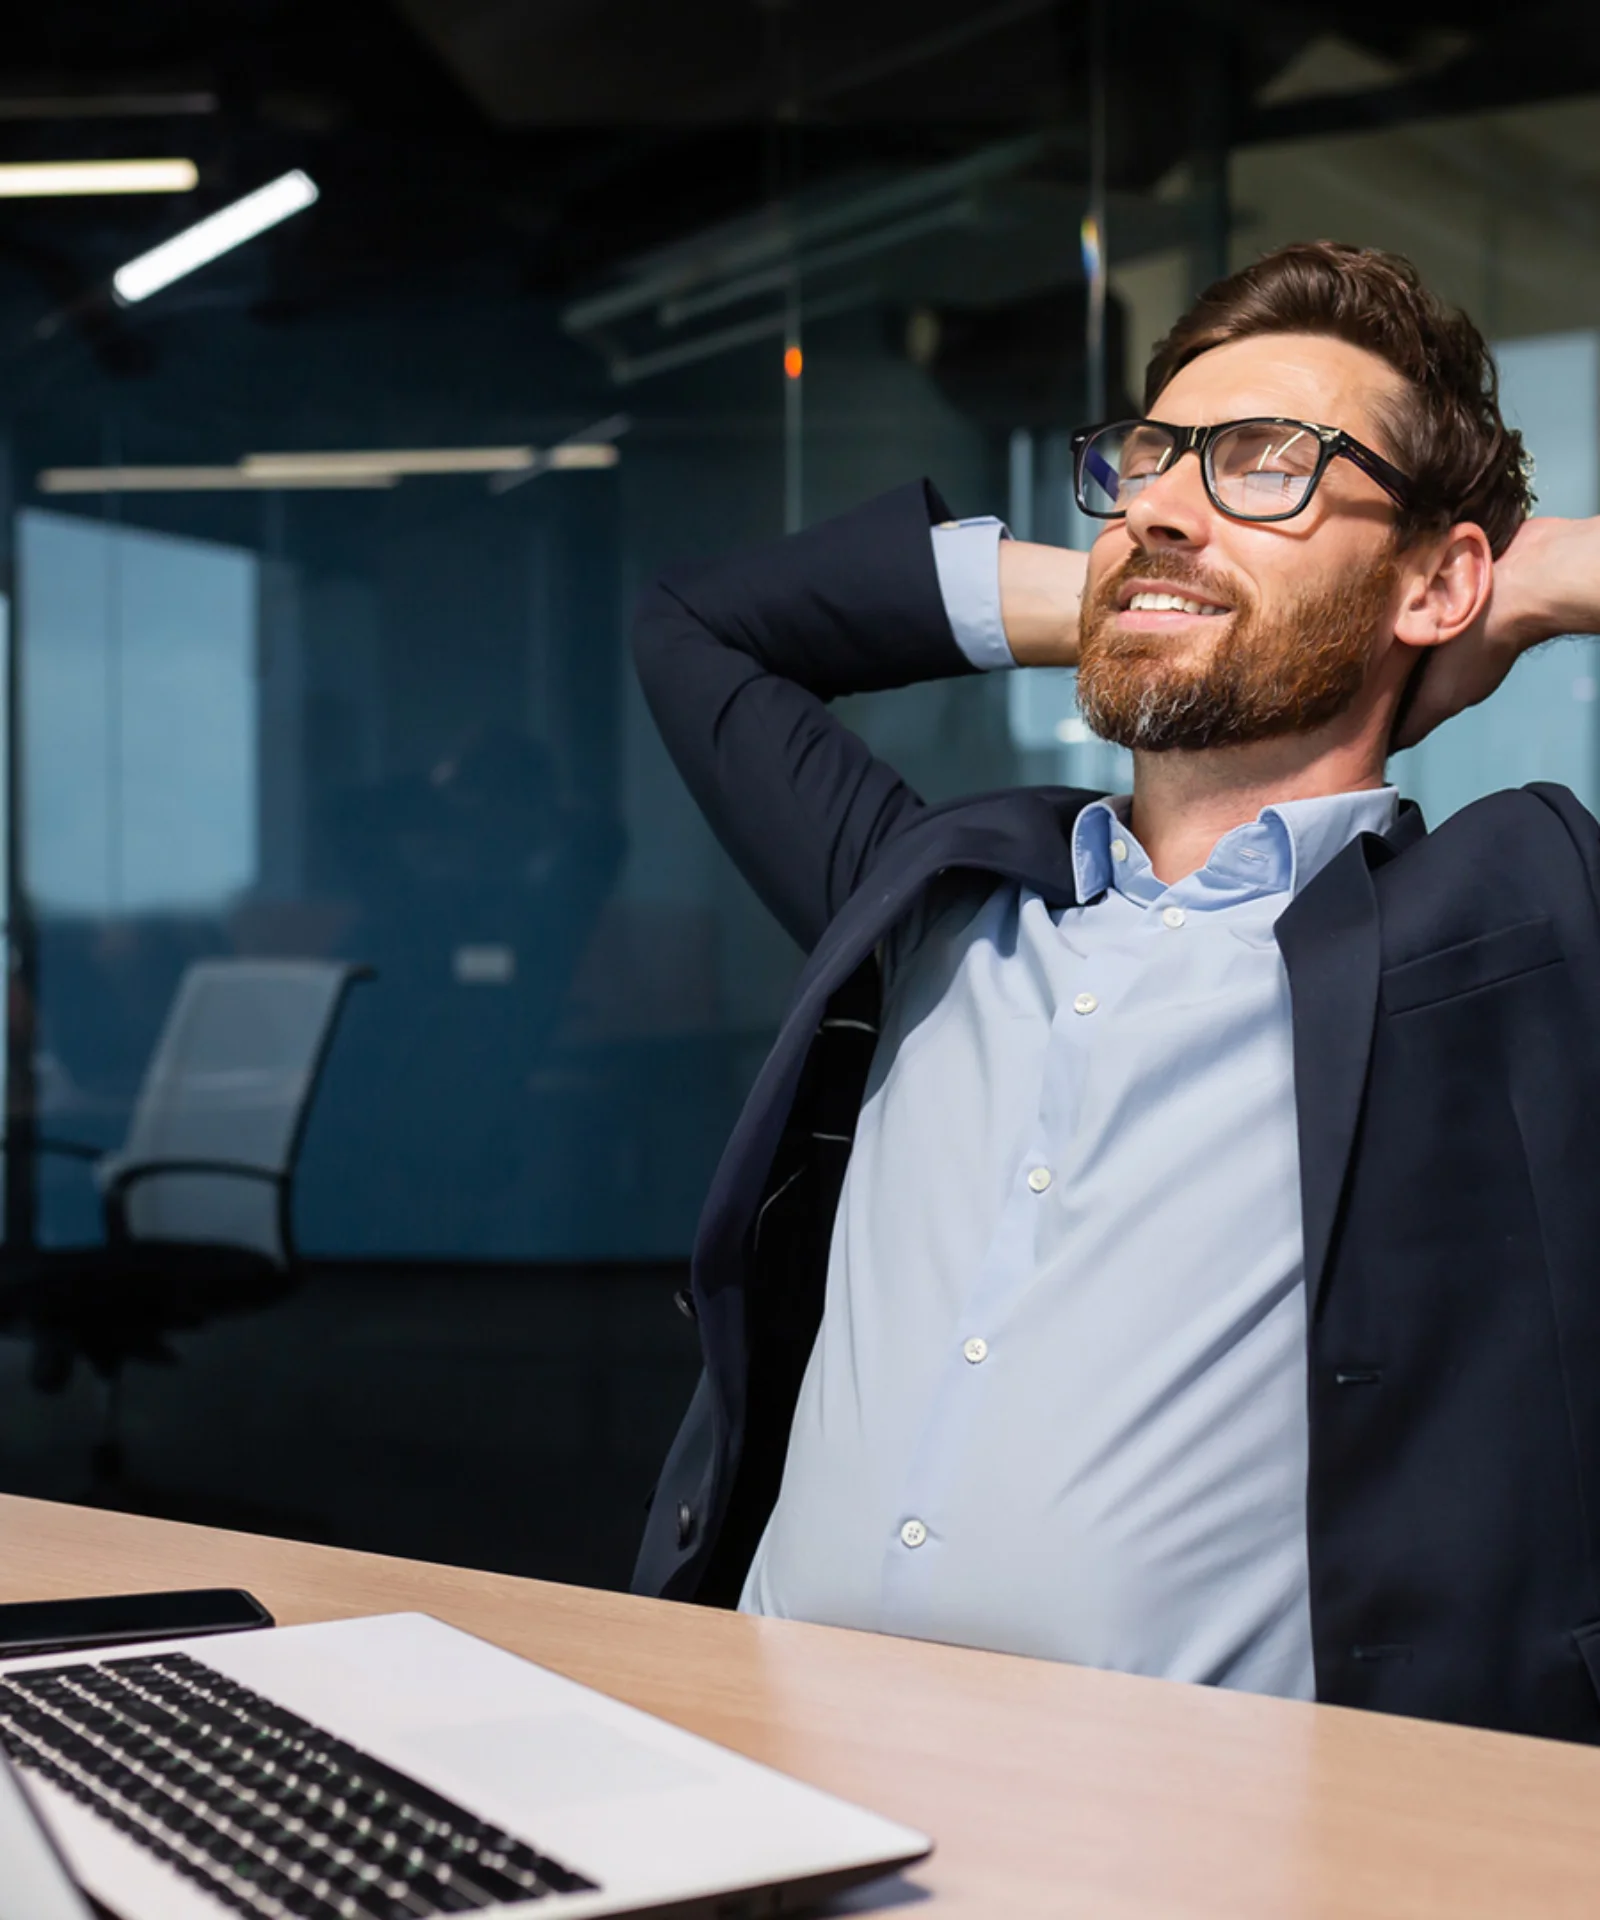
{"x": 576, "y": 456}
{"x": 43, "y": 180}
{"x": 397, "y": 460}
{"x": 194, "y": 480}
{"x": 104, "y": 106}
{"x": 590, "y": 446}
{"x": 218, "y": 233}
{"x": 260, "y": 472}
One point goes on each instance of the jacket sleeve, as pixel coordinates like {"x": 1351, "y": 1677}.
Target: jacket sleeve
{"x": 738, "y": 660}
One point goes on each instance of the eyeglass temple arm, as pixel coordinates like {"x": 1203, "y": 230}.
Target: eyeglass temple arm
{"x": 1391, "y": 479}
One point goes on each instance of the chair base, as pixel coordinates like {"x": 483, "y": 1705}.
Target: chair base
{"x": 109, "y": 1305}
{"x": 118, "y": 1303}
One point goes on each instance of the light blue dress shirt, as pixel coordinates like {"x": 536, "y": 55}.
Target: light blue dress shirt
{"x": 966, "y": 557}
{"x": 1057, "y": 1403}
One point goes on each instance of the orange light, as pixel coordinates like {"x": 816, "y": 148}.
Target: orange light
{"x": 793, "y": 362}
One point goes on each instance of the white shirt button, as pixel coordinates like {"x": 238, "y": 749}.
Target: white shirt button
{"x": 913, "y": 1533}
{"x": 1173, "y": 916}
{"x": 975, "y": 1350}
{"x": 1040, "y": 1178}
{"x": 1085, "y": 1003}
{"x": 1119, "y": 849}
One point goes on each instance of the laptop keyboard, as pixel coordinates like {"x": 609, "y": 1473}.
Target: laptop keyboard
{"x": 267, "y": 1812}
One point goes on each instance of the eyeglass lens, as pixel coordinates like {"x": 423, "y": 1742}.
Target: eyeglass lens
{"x": 1259, "y": 468}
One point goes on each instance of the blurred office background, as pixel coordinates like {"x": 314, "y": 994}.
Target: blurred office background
{"x": 583, "y": 289}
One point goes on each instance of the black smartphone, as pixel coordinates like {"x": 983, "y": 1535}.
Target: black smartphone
{"x": 58, "y": 1626}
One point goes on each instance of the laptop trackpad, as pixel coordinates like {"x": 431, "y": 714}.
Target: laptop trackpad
{"x": 548, "y": 1760}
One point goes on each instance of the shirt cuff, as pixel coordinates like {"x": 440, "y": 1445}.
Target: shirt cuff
{"x": 966, "y": 556}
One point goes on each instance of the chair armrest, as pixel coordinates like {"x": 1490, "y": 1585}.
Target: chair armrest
{"x": 133, "y": 1173}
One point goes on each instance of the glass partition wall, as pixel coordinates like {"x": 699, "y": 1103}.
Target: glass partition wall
{"x": 321, "y": 563}
{"x": 376, "y": 724}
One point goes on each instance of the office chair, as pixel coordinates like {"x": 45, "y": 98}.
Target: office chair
{"x": 197, "y": 1202}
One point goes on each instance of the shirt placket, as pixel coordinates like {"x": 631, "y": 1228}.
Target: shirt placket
{"x": 972, "y": 1385}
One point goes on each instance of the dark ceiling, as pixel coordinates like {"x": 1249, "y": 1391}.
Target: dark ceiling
{"x": 530, "y": 146}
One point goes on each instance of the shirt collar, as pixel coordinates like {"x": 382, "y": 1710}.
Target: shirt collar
{"x": 1282, "y": 850}
{"x": 1101, "y": 822}
{"x": 1321, "y": 828}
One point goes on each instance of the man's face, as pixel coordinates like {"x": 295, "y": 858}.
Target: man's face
{"x": 1297, "y": 610}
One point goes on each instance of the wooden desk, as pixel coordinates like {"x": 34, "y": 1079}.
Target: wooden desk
{"x": 1050, "y": 1790}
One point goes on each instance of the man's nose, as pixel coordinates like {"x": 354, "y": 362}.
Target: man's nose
{"x": 1172, "y": 510}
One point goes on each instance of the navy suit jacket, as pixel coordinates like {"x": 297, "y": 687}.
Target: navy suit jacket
{"x": 1446, "y": 1004}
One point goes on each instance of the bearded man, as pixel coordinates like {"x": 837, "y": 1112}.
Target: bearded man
{"x": 1166, "y": 1233}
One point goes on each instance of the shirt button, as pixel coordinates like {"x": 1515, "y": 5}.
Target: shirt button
{"x": 913, "y": 1533}
{"x": 1173, "y": 916}
{"x": 1085, "y": 1003}
{"x": 1119, "y": 849}
{"x": 1039, "y": 1179}
{"x": 975, "y": 1350}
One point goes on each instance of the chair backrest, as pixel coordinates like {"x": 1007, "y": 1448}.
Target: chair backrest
{"x": 231, "y": 1079}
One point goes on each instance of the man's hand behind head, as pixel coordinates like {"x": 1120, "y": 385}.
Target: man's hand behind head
{"x": 1041, "y": 591}
{"x": 1547, "y": 582}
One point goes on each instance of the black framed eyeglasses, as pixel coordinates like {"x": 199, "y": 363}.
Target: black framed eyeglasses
{"x": 1264, "y": 469}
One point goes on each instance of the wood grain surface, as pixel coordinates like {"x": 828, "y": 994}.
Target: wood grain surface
{"x": 1050, "y": 1790}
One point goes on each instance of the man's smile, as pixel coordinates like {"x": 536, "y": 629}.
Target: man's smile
{"x": 1142, "y": 606}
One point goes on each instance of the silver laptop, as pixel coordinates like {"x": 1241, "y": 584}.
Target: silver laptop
{"x": 34, "y": 1882}
{"x": 392, "y": 1769}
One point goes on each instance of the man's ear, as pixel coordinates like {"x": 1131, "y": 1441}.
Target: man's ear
{"x": 1444, "y": 587}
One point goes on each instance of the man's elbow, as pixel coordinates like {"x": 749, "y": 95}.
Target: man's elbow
{"x": 659, "y": 619}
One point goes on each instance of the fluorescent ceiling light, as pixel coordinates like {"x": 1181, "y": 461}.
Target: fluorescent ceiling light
{"x": 570, "y": 454}
{"x": 577, "y": 455}
{"x": 399, "y": 460}
{"x": 259, "y": 472}
{"x": 103, "y": 106}
{"x": 44, "y": 179}
{"x": 193, "y": 480}
{"x": 218, "y": 233}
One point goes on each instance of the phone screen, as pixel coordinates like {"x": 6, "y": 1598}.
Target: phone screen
{"x": 50, "y": 1626}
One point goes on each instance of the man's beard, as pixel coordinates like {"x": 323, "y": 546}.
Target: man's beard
{"x": 1259, "y": 679}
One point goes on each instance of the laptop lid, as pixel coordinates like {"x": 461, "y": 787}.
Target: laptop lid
{"x": 34, "y": 1883}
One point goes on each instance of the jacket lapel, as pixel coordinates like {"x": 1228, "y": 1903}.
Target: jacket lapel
{"x": 1330, "y": 945}
{"x": 1023, "y": 837}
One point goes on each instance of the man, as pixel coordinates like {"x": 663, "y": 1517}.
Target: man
{"x": 1164, "y": 1235}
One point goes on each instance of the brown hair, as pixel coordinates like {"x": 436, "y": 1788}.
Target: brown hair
{"x": 1446, "y": 434}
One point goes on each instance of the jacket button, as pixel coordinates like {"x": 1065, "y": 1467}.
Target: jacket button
{"x": 683, "y": 1300}
{"x": 685, "y": 1523}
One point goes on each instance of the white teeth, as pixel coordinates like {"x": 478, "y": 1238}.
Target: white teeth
{"x": 1169, "y": 603}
